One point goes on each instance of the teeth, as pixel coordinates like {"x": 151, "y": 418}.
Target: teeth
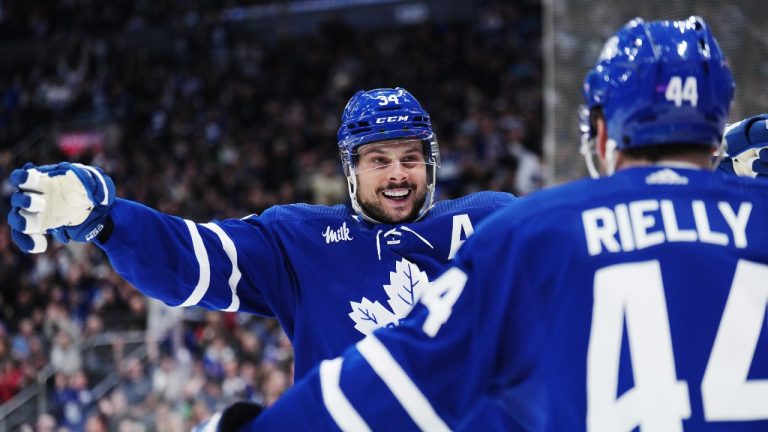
{"x": 396, "y": 193}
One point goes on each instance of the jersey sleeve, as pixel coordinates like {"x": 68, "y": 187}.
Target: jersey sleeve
{"x": 231, "y": 265}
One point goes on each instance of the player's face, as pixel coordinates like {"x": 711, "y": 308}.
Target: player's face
{"x": 392, "y": 180}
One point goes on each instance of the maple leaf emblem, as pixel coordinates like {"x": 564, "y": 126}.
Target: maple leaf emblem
{"x": 406, "y": 284}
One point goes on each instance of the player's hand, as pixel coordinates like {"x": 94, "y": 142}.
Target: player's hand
{"x": 760, "y": 165}
{"x": 747, "y": 143}
{"x": 232, "y": 419}
{"x": 69, "y": 201}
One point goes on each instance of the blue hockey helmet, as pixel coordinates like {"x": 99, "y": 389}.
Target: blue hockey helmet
{"x": 386, "y": 114}
{"x": 656, "y": 83}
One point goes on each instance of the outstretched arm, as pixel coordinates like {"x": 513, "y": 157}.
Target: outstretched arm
{"x": 174, "y": 260}
{"x": 183, "y": 263}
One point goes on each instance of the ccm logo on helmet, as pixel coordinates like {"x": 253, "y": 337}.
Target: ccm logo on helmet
{"x": 391, "y": 119}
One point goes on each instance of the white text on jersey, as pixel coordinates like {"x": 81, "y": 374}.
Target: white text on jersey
{"x": 462, "y": 229}
{"x": 646, "y": 223}
{"x": 341, "y": 234}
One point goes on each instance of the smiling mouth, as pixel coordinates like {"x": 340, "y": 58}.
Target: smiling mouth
{"x": 397, "y": 194}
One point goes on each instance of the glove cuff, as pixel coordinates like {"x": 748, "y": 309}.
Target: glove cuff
{"x": 106, "y": 232}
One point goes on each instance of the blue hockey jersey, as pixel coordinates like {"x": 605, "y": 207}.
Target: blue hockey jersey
{"x": 637, "y": 300}
{"x": 329, "y": 277}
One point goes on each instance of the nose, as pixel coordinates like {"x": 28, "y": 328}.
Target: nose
{"x": 397, "y": 171}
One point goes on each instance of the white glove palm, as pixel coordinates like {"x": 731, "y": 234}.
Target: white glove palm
{"x": 54, "y": 201}
{"x": 748, "y": 162}
{"x": 72, "y": 197}
{"x": 747, "y": 147}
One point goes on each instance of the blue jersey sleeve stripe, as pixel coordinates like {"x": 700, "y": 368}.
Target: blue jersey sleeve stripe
{"x": 407, "y": 393}
{"x": 202, "y": 261}
{"x": 338, "y": 406}
{"x": 231, "y": 251}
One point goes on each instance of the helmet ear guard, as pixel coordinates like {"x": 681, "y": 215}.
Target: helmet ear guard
{"x": 588, "y": 147}
{"x": 380, "y": 115}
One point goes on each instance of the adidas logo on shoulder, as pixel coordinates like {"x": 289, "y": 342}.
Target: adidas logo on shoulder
{"x": 666, "y": 176}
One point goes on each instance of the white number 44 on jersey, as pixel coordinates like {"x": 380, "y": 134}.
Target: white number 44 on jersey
{"x": 634, "y": 292}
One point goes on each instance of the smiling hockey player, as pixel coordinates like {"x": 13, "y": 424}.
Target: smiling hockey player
{"x": 330, "y": 275}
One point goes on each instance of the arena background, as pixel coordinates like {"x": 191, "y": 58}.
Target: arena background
{"x": 213, "y": 109}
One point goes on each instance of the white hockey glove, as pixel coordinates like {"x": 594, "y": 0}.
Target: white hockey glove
{"x": 70, "y": 201}
{"x": 747, "y": 147}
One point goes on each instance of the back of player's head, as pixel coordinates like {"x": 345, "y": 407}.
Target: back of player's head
{"x": 385, "y": 114}
{"x": 660, "y": 82}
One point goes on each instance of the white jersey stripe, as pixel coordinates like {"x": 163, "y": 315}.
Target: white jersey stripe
{"x": 338, "y": 406}
{"x": 231, "y": 251}
{"x": 405, "y": 228}
{"x": 105, "y": 200}
{"x": 407, "y": 393}
{"x": 203, "y": 263}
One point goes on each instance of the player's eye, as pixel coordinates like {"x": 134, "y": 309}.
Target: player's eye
{"x": 410, "y": 161}
{"x": 375, "y": 162}
{"x": 380, "y": 162}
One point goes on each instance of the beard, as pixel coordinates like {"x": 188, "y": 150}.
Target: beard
{"x": 374, "y": 208}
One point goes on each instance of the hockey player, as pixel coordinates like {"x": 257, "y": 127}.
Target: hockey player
{"x": 330, "y": 275}
{"x": 642, "y": 307}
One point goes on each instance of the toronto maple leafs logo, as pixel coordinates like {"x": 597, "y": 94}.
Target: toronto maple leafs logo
{"x": 406, "y": 284}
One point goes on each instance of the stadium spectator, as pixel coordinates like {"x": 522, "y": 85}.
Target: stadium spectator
{"x": 65, "y": 354}
{"x": 12, "y": 378}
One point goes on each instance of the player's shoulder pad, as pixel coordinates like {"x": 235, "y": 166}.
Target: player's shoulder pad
{"x": 541, "y": 203}
{"x": 484, "y": 199}
{"x": 301, "y": 212}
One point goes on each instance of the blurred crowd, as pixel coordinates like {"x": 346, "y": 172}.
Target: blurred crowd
{"x": 201, "y": 120}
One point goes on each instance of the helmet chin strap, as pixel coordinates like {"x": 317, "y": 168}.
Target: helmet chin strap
{"x": 429, "y": 201}
{"x": 352, "y": 188}
{"x": 721, "y": 153}
{"x": 610, "y": 157}
{"x": 587, "y": 151}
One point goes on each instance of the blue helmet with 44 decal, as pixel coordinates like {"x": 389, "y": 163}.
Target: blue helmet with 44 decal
{"x": 656, "y": 83}
{"x": 386, "y": 114}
